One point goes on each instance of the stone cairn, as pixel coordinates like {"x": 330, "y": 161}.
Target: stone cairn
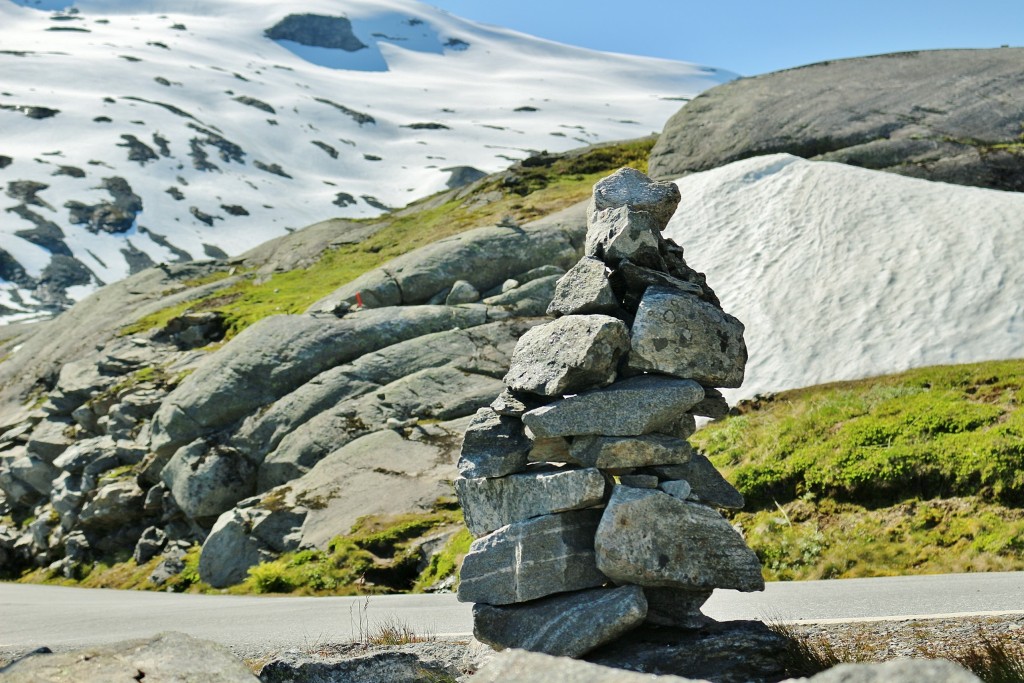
{"x": 592, "y": 513}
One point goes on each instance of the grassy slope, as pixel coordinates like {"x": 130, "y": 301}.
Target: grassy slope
{"x": 919, "y": 472}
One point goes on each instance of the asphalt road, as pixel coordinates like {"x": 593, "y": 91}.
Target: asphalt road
{"x": 67, "y": 618}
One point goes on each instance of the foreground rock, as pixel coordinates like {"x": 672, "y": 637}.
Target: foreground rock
{"x": 567, "y": 625}
{"x": 945, "y": 115}
{"x": 530, "y": 667}
{"x": 432, "y": 660}
{"x": 166, "y": 657}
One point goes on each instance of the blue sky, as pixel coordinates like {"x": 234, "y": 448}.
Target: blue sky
{"x": 751, "y": 37}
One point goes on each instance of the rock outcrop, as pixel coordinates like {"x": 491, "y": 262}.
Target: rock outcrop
{"x": 557, "y": 525}
{"x": 149, "y": 444}
{"x": 945, "y": 115}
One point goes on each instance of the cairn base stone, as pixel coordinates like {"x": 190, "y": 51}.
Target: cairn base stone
{"x": 571, "y": 354}
{"x": 683, "y": 336}
{"x": 649, "y": 538}
{"x": 638, "y": 405}
{"x": 492, "y": 503}
{"x": 567, "y": 625}
{"x": 533, "y": 559}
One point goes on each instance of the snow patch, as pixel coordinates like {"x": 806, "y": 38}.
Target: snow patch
{"x": 840, "y": 272}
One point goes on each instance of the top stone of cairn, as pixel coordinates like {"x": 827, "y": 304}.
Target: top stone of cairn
{"x": 630, "y": 187}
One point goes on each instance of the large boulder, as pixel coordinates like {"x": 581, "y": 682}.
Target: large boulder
{"x": 485, "y": 258}
{"x": 280, "y": 353}
{"x": 946, "y": 115}
{"x": 483, "y": 350}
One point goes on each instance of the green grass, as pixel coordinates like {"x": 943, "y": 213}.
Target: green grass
{"x": 919, "y": 472}
{"x": 522, "y": 194}
{"x": 377, "y": 556}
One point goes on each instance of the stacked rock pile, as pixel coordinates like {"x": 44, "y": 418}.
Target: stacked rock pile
{"x": 593, "y": 514}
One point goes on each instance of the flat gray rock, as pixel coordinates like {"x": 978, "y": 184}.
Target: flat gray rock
{"x": 681, "y": 335}
{"x": 165, "y": 657}
{"x": 706, "y": 482}
{"x": 638, "y": 405}
{"x": 649, "y": 538}
{"x": 584, "y": 289}
{"x": 532, "y": 559}
{"x": 903, "y": 670}
{"x": 630, "y": 187}
{"x": 494, "y": 446}
{"x": 568, "y": 355}
{"x": 532, "y": 667}
{"x": 610, "y": 452}
{"x": 424, "y": 662}
{"x": 614, "y": 235}
{"x": 939, "y": 114}
{"x": 491, "y": 503}
{"x": 567, "y": 625}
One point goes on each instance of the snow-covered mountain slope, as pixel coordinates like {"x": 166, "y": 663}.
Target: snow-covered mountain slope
{"x": 840, "y": 272}
{"x": 142, "y": 132}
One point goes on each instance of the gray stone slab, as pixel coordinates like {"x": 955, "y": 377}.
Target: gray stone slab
{"x": 533, "y": 559}
{"x": 584, "y": 289}
{"x": 649, "y": 538}
{"x": 567, "y": 625}
{"x": 568, "y": 355}
{"x": 638, "y": 405}
{"x": 521, "y": 666}
{"x": 611, "y": 452}
{"x": 681, "y": 335}
{"x": 494, "y": 445}
{"x": 164, "y": 657}
{"x": 492, "y": 503}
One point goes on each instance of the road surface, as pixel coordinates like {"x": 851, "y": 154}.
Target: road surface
{"x": 67, "y": 618}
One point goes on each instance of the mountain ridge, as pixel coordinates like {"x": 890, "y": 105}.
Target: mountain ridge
{"x": 188, "y": 132}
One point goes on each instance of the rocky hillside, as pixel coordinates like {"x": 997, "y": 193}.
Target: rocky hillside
{"x": 947, "y": 115}
{"x": 163, "y": 132}
{"x": 189, "y": 413}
